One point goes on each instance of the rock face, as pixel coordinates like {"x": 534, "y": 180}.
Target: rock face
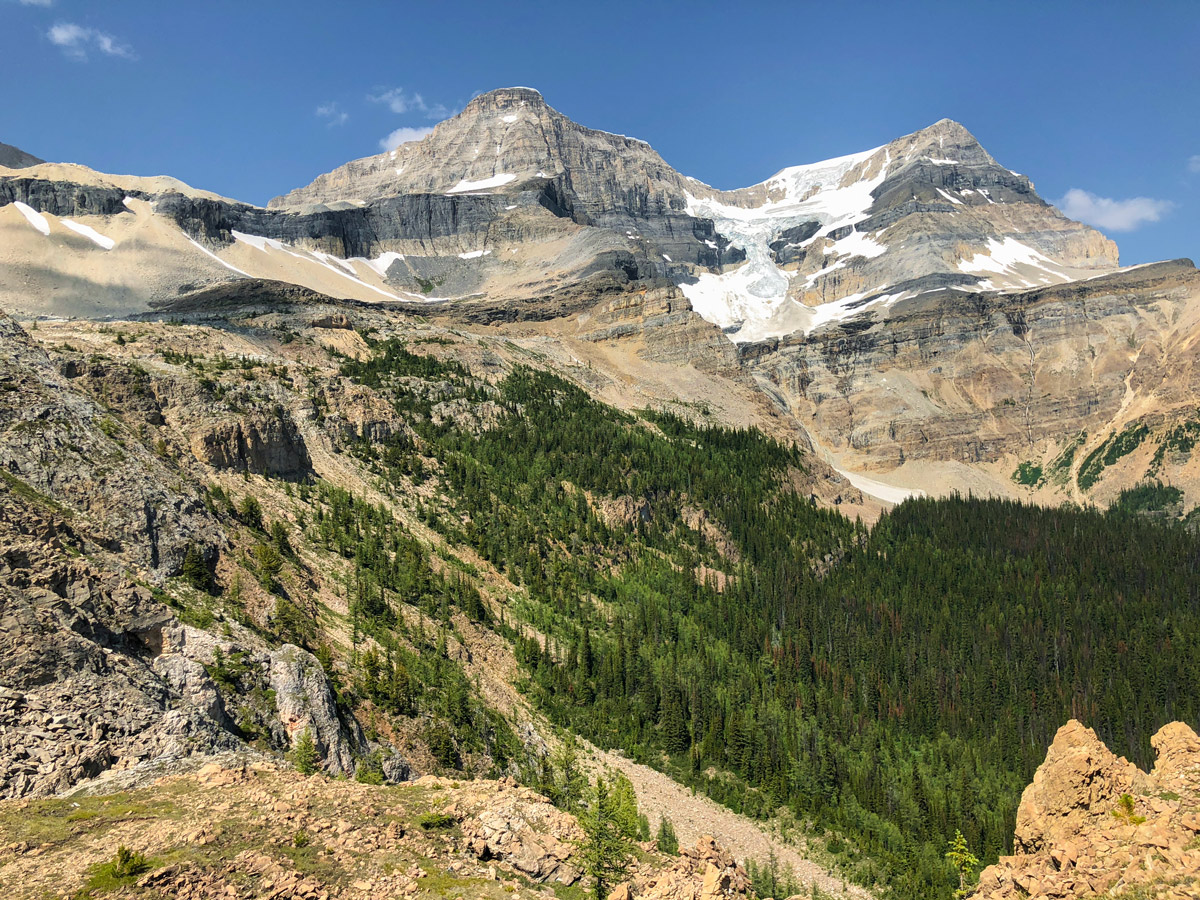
{"x": 306, "y": 703}
{"x": 262, "y": 444}
{"x": 14, "y": 158}
{"x": 1077, "y": 837}
{"x": 519, "y": 828}
{"x": 973, "y": 377}
{"x": 59, "y": 442}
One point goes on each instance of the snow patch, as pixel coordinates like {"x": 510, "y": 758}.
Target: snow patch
{"x": 889, "y": 493}
{"x": 474, "y": 254}
{"x": 1001, "y": 256}
{"x": 509, "y": 118}
{"x": 482, "y": 184}
{"x": 33, "y": 217}
{"x": 208, "y": 252}
{"x": 948, "y": 197}
{"x": 383, "y": 262}
{"x": 751, "y": 301}
{"x": 90, "y": 233}
{"x": 667, "y": 258}
{"x": 262, "y": 243}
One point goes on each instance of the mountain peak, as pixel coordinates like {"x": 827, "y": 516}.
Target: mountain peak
{"x": 14, "y": 158}
{"x": 505, "y": 99}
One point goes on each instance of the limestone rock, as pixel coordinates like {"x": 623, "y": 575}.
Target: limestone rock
{"x": 1075, "y": 839}
{"x": 1079, "y": 780}
{"x": 305, "y": 703}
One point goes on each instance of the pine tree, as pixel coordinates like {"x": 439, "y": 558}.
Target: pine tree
{"x": 605, "y": 849}
{"x": 625, "y": 808}
{"x": 964, "y": 862}
{"x": 668, "y": 842}
{"x": 305, "y": 755}
{"x": 195, "y": 569}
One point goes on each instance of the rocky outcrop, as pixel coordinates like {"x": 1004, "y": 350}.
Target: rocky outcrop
{"x": 61, "y": 444}
{"x": 1093, "y": 824}
{"x": 703, "y": 872}
{"x": 305, "y": 704}
{"x": 261, "y": 444}
{"x": 521, "y": 829}
{"x": 79, "y": 694}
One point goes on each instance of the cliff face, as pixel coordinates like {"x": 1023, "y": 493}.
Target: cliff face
{"x": 991, "y": 379}
{"x": 1093, "y": 824}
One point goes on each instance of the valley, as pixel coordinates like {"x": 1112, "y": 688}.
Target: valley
{"x": 521, "y": 504}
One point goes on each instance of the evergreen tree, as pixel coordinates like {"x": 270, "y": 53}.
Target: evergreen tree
{"x": 195, "y": 569}
{"x": 964, "y": 863}
{"x": 305, "y": 755}
{"x": 667, "y": 841}
{"x": 605, "y": 850}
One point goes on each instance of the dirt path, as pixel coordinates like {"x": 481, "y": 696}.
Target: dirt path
{"x": 490, "y": 663}
{"x": 694, "y": 815}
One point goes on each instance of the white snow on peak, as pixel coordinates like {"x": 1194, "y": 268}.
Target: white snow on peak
{"x": 1002, "y": 258}
{"x": 509, "y": 118}
{"x": 482, "y": 184}
{"x": 948, "y": 197}
{"x": 90, "y": 233}
{"x": 474, "y": 254}
{"x": 753, "y": 298}
{"x": 383, "y": 262}
{"x": 35, "y": 218}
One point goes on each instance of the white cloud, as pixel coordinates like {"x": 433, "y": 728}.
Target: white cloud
{"x": 333, "y": 114}
{"x": 1194, "y": 163}
{"x": 76, "y": 40}
{"x": 1113, "y": 215}
{"x": 401, "y": 101}
{"x": 403, "y": 136}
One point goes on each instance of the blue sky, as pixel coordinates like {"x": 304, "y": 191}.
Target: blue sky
{"x": 1098, "y": 102}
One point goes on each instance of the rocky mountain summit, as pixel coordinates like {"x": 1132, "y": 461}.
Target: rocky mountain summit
{"x": 15, "y": 158}
{"x": 1094, "y": 825}
{"x": 511, "y": 199}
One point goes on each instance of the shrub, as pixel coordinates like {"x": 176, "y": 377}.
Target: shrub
{"x": 436, "y": 821}
{"x": 126, "y": 864}
{"x": 249, "y": 512}
{"x": 1124, "y": 811}
{"x": 195, "y": 570}
{"x": 369, "y": 769}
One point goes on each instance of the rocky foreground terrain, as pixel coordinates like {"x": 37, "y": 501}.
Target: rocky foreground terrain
{"x": 242, "y": 828}
{"x": 1094, "y": 825}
